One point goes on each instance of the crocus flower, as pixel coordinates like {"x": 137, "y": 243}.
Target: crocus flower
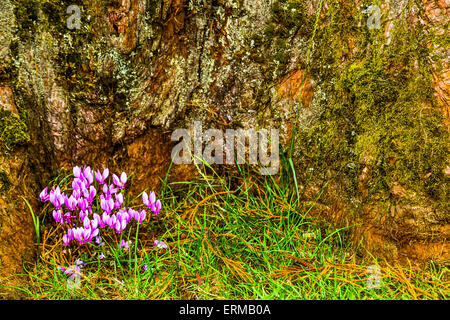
{"x": 94, "y": 224}
{"x": 90, "y": 193}
{"x": 132, "y": 213}
{"x": 44, "y": 195}
{"x": 105, "y": 189}
{"x": 145, "y": 199}
{"x": 56, "y": 198}
{"x": 120, "y": 225}
{"x": 119, "y": 201}
{"x": 101, "y": 177}
{"x": 157, "y": 207}
{"x": 93, "y": 233}
{"x": 83, "y": 215}
{"x": 109, "y": 190}
{"x": 75, "y": 269}
{"x": 71, "y": 203}
{"x": 110, "y": 221}
{"x": 140, "y": 216}
{"x": 76, "y": 193}
{"x": 76, "y": 184}
{"x": 123, "y": 215}
{"x": 120, "y": 183}
{"x": 160, "y": 244}
{"x": 98, "y": 240}
{"x": 149, "y": 200}
{"x": 83, "y": 204}
{"x": 84, "y": 234}
{"x": 88, "y": 175}
{"x": 66, "y": 239}
{"x": 70, "y": 234}
{"x": 57, "y": 215}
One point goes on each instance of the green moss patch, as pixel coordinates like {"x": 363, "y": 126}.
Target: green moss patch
{"x": 379, "y": 109}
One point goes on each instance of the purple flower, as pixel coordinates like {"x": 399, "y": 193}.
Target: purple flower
{"x": 105, "y": 189}
{"x": 136, "y": 215}
{"x": 79, "y": 262}
{"x": 76, "y": 172}
{"x": 44, "y": 195}
{"x": 125, "y": 244}
{"x": 157, "y": 207}
{"x": 76, "y": 184}
{"x": 110, "y": 220}
{"x": 108, "y": 191}
{"x": 140, "y": 216}
{"x": 66, "y": 239}
{"x": 120, "y": 225}
{"x": 101, "y": 256}
{"x": 85, "y": 197}
{"x": 71, "y": 203}
{"x": 83, "y": 204}
{"x": 57, "y": 215}
{"x": 120, "y": 183}
{"x": 107, "y": 205}
{"x": 70, "y": 234}
{"x": 86, "y": 222}
{"x": 145, "y": 199}
{"x": 101, "y": 178}
{"x": 79, "y": 184}
{"x": 160, "y": 244}
{"x": 76, "y": 194}
{"x": 149, "y": 201}
{"x": 90, "y": 194}
{"x": 123, "y": 215}
{"x": 119, "y": 201}
{"x": 88, "y": 175}
{"x": 56, "y": 198}
{"x": 71, "y": 270}
{"x": 84, "y": 234}
{"x": 94, "y": 224}
{"x": 83, "y": 215}
{"x": 98, "y": 240}
{"x": 68, "y": 217}
{"x": 99, "y": 221}
{"x": 152, "y": 197}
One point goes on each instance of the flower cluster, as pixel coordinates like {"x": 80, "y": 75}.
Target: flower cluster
{"x": 94, "y": 205}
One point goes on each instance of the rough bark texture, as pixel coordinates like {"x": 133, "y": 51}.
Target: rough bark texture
{"x": 371, "y": 107}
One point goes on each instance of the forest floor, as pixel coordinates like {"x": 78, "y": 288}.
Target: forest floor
{"x": 230, "y": 238}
